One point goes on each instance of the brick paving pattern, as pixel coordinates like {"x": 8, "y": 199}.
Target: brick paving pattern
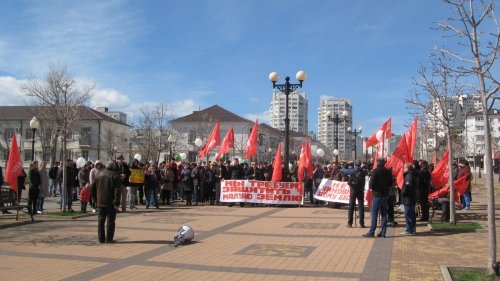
{"x": 251, "y": 243}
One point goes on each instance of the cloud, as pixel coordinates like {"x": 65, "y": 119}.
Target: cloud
{"x": 184, "y": 107}
{"x": 264, "y": 117}
{"x": 109, "y": 98}
{"x": 10, "y": 92}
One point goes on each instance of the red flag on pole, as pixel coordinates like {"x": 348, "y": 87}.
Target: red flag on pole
{"x": 301, "y": 165}
{"x": 251, "y": 148}
{"x": 14, "y": 164}
{"x": 277, "y": 169}
{"x": 399, "y": 158}
{"x": 227, "y": 142}
{"x": 212, "y": 142}
{"x": 461, "y": 186}
{"x": 384, "y": 132}
{"x": 308, "y": 163}
{"x": 440, "y": 174}
{"x": 411, "y": 139}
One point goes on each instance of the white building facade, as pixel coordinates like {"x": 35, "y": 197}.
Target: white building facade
{"x": 331, "y": 106}
{"x": 94, "y": 136}
{"x": 298, "y": 111}
{"x": 475, "y": 136}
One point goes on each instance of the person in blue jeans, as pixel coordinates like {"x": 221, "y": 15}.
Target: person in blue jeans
{"x": 409, "y": 198}
{"x": 380, "y": 184}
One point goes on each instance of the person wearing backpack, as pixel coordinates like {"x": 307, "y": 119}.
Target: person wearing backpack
{"x": 356, "y": 181}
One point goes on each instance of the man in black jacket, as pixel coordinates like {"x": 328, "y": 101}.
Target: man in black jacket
{"x": 380, "y": 183}
{"x": 424, "y": 188}
{"x": 124, "y": 171}
{"x": 108, "y": 186}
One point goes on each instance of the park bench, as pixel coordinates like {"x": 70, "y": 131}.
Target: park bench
{"x": 8, "y": 202}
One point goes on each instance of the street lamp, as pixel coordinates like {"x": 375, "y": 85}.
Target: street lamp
{"x": 337, "y": 120}
{"x": 34, "y": 123}
{"x": 287, "y": 88}
{"x": 355, "y": 133}
{"x": 170, "y": 142}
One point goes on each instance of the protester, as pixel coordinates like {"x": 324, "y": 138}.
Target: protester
{"x": 34, "y": 188}
{"x": 44, "y": 187}
{"x": 124, "y": 171}
{"x": 424, "y": 188}
{"x": 356, "y": 181}
{"x": 53, "y": 182}
{"x": 187, "y": 184}
{"x": 152, "y": 181}
{"x": 380, "y": 183}
{"x": 108, "y": 186}
{"x": 93, "y": 175}
{"x": 409, "y": 198}
{"x": 464, "y": 170}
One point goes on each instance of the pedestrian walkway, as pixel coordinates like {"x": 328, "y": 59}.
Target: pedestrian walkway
{"x": 251, "y": 243}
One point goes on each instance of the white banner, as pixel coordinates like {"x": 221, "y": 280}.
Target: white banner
{"x": 336, "y": 191}
{"x": 262, "y": 192}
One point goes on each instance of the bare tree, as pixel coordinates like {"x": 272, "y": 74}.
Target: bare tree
{"x": 152, "y": 129}
{"x": 436, "y": 90}
{"x": 61, "y": 96}
{"x": 476, "y": 31}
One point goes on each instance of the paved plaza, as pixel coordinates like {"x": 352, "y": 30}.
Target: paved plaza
{"x": 250, "y": 243}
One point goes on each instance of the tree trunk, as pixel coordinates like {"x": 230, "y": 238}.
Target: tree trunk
{"x": 450, "y": 178}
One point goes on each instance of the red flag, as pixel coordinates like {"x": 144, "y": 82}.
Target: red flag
{"x": 385, "y": 132}
{"x": 212, "y": 142}
{"x": 461, "y": 186}
{"x": 301, "y": 166}
{"x": 399, "y": 158}
{"x": 308, "y": 161}
{"x": 14, "y": 164}
{"x": 277, "y": 169}
{"x": 217, "y": 156}
{"x": 411, "y": 139}
{"x": 251, "y": 148}
{"x": 440, "y": 174}
{"x": 227, "y": 142}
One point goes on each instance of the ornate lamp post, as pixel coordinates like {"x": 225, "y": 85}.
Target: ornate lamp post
{"x": 34, "y": 124}
{"x": 355, "y": 133}
{"x": 287, "y": 88}
{"x": 337, "y": 120}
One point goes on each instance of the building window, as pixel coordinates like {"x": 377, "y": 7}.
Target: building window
{"x": 27, "y": 155}
{"x": 28, "y": 134}
{"x": 85, "y": 154}
{"x": 192, "y": 136}
{"x": 479, "y": 118}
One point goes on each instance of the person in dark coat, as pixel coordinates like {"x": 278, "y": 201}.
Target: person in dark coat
{"x": 424, "y": 188}
{"x": 21, "y": 182}
{"x": 123, "y": 170}
{"x": 34, "y": 189}
{"x": 409, "y": 197}
{"x": 236, "y": 172}
{"x": 380, "y": 183}
{"x": 108, "y": 186}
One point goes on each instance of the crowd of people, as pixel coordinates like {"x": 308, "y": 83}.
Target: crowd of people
{"x": 199, "y": 184}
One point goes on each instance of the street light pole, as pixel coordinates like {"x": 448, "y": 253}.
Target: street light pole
{"x": 34, "y": 123}
{"x": 336, "y": 120}
{"x": 355, "y": 133}
{"x": 287, "y": 88}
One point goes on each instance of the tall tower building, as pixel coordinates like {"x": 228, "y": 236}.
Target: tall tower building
{"x": 326, "y": 128}
{"x": 298, "y": 110}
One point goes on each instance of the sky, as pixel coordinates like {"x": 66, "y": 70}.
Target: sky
{"x": 195, "y": 54}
